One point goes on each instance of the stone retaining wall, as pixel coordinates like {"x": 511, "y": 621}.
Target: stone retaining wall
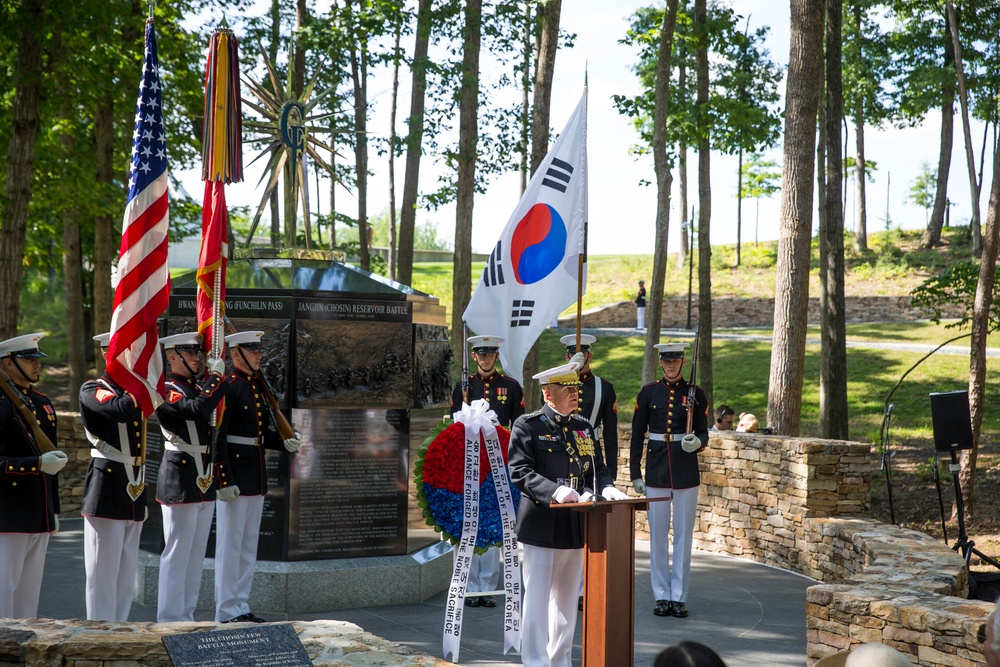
{"x": 48, "y": 643}
{"x": 801, "y": 504}
{"x": 756, "y": 312}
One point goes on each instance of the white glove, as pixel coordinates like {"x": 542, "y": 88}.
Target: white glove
{"x": 53, "y": 462}
{"x": 586, "y": 497}
{"x": 55, "y": 526}
{"x": 293, "y": 444}
{"x": 612, "y": 493}
{"x": 578, "y": 359}
{"x": 564, "y": 494}
{"x": 639, "y": 486}
{"x": 215, "y": 365}
{"x": 690, "y": 443}
{"x": 228, "y": 493}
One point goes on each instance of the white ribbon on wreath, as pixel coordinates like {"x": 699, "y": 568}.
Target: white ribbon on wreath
{"x": 479, "y": 422}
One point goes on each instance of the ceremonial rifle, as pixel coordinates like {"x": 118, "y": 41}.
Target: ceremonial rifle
{"x": 27, "y": 413}
{"x": 692, "y": 384}
{"x": 285, "y": 428}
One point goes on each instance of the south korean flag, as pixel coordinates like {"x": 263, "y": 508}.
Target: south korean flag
{"x": 532, "y": 273}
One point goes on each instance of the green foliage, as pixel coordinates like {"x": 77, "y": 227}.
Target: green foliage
{"x": 955, "y": 286}
{"x": 923, "y": 187}
{"x": 743, "y": 81}
{"x": 761, "y": 178}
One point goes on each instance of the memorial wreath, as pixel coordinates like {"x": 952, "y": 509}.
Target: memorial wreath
{"x": 439, "y": 478}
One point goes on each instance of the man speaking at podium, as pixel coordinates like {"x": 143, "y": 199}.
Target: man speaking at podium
{"x": 553, "y": 460}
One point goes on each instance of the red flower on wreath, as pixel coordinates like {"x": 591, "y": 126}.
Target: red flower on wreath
{"x": 444, "y": 460}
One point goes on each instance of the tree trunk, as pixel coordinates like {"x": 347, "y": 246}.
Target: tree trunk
{"x": 705, "y": 380}
{"x": 861, "y": 172}
{"x": 20, "y": 163}
{"x": 414, "y": 137}
{"x": 970, "y": 153}
{"x": 525, "y": 94}
{"x": 932, "y": 235}
{"x": 664, "y": 179}
{"x": 392, "y": 156}
{"x": 104, "y": 232}
{"x": 805, "y": 66}
{"x": 468, "y": 137}
{"x": 359, "y": 74}
{"x": 72, "y": 262}
{"x": 833, "y": 330}
{"x": 272, "y": 52}
{"x": 980, "y": 328}
{"x": 739, "y": 204}
{"x": 545, "y": 67}
{"x": 683, "y": 168}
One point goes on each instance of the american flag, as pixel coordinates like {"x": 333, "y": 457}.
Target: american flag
{"x": 143, "y": 281}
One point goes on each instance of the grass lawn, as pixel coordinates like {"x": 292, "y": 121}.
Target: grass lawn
{"x": 741, "y": 372}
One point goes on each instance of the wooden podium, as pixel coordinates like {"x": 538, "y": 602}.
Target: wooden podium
{"x": 609, "y": 580}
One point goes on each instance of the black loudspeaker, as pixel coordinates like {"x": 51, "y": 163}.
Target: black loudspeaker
{"x": 952, "y": 421}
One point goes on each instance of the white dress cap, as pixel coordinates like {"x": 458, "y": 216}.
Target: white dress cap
{"x": 244, "y": 338}
{"x": 23, "y": 347}
{"x": 485, "y": 342}
{"x": 186, "y": 339}
{"x": 586, "y": 340}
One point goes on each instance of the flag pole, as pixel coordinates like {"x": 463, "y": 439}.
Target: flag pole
{"x": 580, "y": 255}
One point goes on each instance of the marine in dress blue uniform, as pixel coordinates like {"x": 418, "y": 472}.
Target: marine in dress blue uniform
{"x": 29, "y": 494}
{"x": 598, "y": 405}
{"x": 671, "y": 472}
{"x": 246, "y": 430}
{"x": 506, "y": 399}
{"x": 187, "y": 479}
{"x": 113, "y": 518}
{"x": 553, "y": 459}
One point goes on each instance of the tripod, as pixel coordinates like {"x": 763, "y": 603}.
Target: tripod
{"x": 963, "y": 545}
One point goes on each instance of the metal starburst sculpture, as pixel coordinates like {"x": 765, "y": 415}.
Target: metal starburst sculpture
{"x": 288, "y": 130}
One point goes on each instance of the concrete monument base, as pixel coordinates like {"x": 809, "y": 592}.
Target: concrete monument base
{"x": 323, "y": 585}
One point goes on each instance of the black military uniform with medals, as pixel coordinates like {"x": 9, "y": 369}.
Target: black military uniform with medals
{"x": 108, "y": 412}
{"x": 548, "y": 450}
{"x": 244, "y": 433}
{"x": 606, "y": 422}
{"x": 189, "y": 405}
{"x": 503, "y": 393}
{"x": 29, "y": 498}
{"x": 661, "y": 408}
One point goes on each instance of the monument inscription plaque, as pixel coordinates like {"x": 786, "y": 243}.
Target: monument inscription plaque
{"x": 260, "y": 646}
{"x": 347, "y": 496}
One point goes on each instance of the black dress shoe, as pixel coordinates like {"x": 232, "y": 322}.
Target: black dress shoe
{"x": 678, "y": 609}
{"x": 579, "y": 604}
{"x": 250, "y": 618}
{"x": 473, "y": 602}
{"x": 662, "y": 608}
{"x": 489, "y": 601}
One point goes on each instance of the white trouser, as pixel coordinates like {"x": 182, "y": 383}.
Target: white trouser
{"x": 484, "y": 570}
{"x": 640, "y": 317}
{"x": 237, "y": 529}
{"x": 548, "y": 611}
{"x": 110, "y": 552}
{"x": 671, "y": 583}
{"x": 185, "y": 536}
{"x": 22, "y": 559}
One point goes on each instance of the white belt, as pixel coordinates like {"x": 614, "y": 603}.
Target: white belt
{"x": 243, "y": 440}
{"x": 115, "y": 456}
{"x": 187, "y": 449}
{"x": 660, "y": 437}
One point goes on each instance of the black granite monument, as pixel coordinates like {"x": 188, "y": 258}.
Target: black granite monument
{"x": 348, "y": 354}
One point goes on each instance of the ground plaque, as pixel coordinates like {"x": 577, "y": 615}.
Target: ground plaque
{"x": 271, "y": 645}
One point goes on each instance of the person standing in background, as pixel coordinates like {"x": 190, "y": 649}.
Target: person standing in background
{"x": 640, "y": 306}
